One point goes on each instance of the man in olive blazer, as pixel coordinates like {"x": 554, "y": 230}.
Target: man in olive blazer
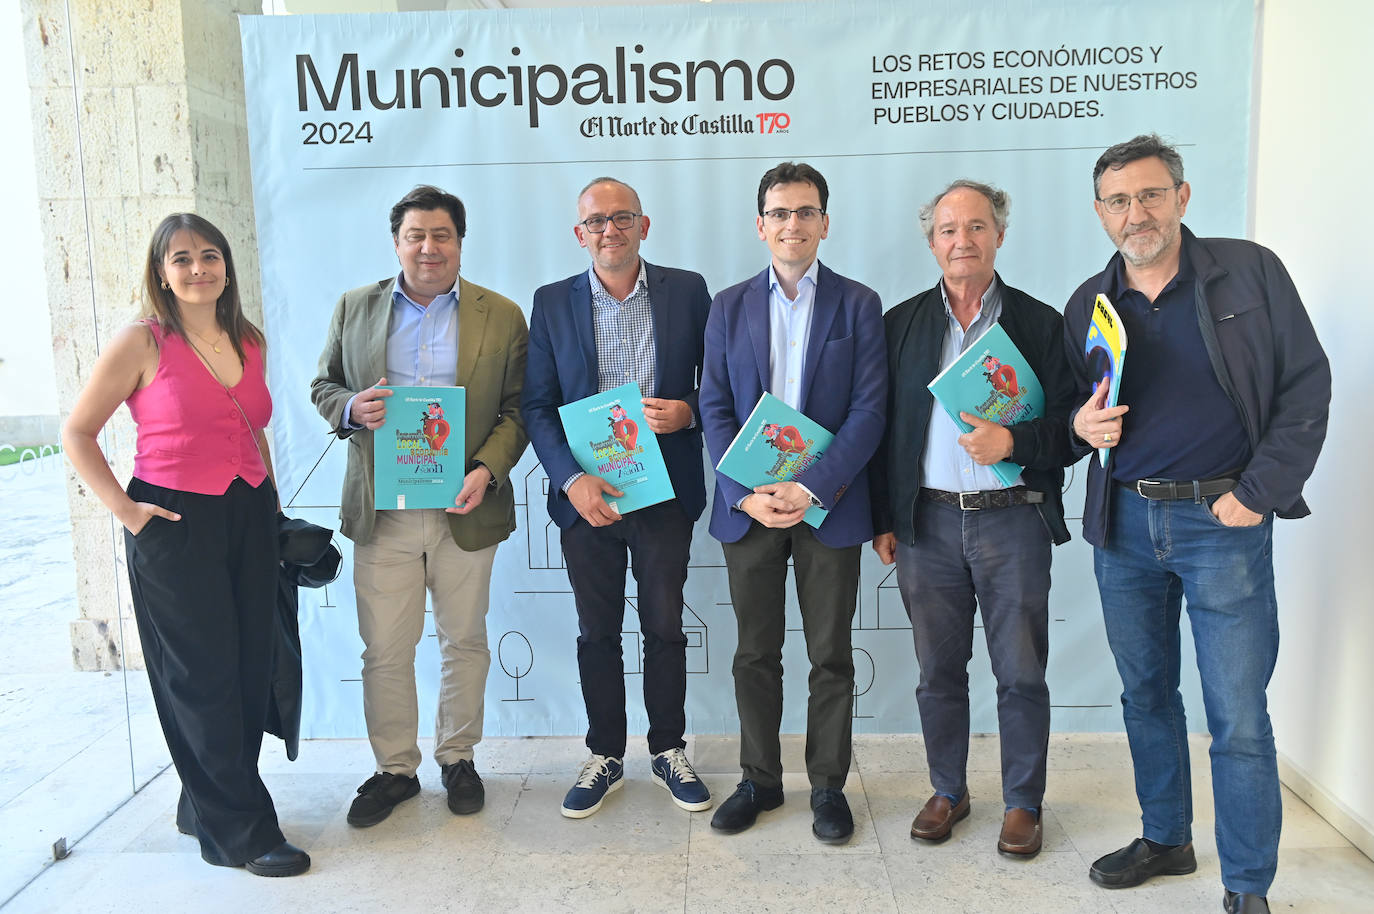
{"x": 425, "y": 327}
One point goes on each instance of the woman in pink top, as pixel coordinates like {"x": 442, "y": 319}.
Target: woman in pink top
{"x": 200, "y": 532}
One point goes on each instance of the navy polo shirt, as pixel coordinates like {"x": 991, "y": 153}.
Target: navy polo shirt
{"x": 1181, "y": 424}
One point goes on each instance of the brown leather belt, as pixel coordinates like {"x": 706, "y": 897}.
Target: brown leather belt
{"x": 1172, "y": 490}
{"x": 980, "y": 501}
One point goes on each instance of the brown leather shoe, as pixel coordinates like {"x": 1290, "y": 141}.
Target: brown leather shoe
{"x": 1021, "y": 834}
{"x": 938, "y": 816}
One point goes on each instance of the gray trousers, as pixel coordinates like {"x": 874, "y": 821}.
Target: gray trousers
{"x": 997, "y": 561}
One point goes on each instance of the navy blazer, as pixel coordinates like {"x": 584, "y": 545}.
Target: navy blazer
{"x": 562, "y": 368}
{"x": 844, "y": 388}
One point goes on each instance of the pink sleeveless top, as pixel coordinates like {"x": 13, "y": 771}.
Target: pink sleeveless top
{"x": 191, "y": 436}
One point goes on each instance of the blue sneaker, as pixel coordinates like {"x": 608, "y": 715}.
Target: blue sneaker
{"x": 674, "y": 774}
{"x": 599, "y": 776}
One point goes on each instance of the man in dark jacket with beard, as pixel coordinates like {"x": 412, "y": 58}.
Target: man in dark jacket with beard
{"x": 1223, "y": 406}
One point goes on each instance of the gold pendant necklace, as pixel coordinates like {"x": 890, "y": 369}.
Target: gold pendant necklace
{"x": 215, "y": 344}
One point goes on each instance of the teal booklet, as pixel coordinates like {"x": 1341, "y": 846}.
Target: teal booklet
{"x": 610, "y": 438}
{"x": 993, "y": 380}
{"x": 417, "y": 454}
{"x": 775, "y": 444}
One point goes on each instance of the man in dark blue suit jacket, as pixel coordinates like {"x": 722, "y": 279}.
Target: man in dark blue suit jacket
{"x": 623, "y": 320}
{"x": 813, "y": 339}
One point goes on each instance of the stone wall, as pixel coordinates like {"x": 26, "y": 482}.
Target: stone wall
{"x": 138, "y": 112}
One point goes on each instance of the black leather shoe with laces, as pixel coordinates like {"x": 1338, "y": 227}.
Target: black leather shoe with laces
{"x": 832, "y": 822}
{"x": 379, "y": 795}
{"x": 742, "y": 808}
{"x": 465, "y": 791}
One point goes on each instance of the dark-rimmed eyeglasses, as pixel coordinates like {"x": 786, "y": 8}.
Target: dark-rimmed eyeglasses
{"x": 803, "y": 214}
{"x": 597, "y": 224}
{"x": 1149, "y": 198}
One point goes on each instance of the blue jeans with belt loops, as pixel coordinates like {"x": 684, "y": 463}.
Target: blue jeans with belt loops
{"x": 1159, "y": 556}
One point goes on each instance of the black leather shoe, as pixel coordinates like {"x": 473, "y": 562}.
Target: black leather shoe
{"x": 283, "y": 860}
{"x": 744, "y": 805}
{"x": 1136, "y": 862}
{"x": 465, "y": 791}
{"x": 379, "y": 795}
{"x": 832, "y": 823}
{"x": 1244, "y": 903}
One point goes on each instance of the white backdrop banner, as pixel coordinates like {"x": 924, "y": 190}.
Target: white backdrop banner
{"x": 514, "y": 111}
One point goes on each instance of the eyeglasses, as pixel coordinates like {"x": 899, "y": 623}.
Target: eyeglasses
{"x": 597, "y": 224}
{"x": 803, "y": 213}
{"x": 1149, "y": 198}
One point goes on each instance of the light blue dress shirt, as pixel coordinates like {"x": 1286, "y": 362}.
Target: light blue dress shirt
{"x": 789, "y": 328}
{"x": 421, "y": 343}
{"x": 789, "y": 323}
{"x": 944, "y": 462}
{"x": 624, "y": 332}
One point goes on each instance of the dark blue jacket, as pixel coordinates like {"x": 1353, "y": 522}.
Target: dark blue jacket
{"x": 1265, "y": 355}
{"x": 915, "y": 336}
{"x": 843, "y": 388}
{"x": 562, "y": 367}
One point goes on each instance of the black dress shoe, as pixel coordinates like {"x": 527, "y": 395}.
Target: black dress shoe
{"x": 283, "y": 860}
{"x": 379, "y": 795}
{"x": 744, "y": 805}
{"x": 832, "y": 823}
{"x": 1137, "y": 861}
{"x": 465, "y": 791}
{"x": 1244, "y": 903}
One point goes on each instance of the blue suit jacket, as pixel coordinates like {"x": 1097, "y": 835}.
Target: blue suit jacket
{"x": 562, "y": 368}
{"x": 844, "y": 388}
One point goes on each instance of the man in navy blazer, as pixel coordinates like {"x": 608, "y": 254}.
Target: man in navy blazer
{"x": 623, "y": 320}
{"x": 814, "y": 339}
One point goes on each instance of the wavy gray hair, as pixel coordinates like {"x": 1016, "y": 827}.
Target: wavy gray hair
{"x": 1000, "y": 200}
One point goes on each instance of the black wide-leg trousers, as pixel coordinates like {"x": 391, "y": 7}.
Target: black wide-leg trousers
{"x": 204, "y": 590}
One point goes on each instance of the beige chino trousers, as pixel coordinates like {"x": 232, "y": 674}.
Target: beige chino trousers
{"x": 412, "y": 551}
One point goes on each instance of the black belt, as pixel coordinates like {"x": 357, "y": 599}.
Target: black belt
{"x": 1172, "y": 490}
{"x": 978, "y": 501}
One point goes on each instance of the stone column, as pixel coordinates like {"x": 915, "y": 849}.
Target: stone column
{"x": 138, "y": 112}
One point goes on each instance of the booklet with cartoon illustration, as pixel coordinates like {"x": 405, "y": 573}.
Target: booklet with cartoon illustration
{"x": 417, "y": 454}
{"x": 610, "y": 438}
{"x": 992, "y": 379}
{"x": 776, "y": 444}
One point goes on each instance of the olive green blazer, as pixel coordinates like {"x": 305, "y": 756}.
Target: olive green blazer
{"x": 492, "y": 339}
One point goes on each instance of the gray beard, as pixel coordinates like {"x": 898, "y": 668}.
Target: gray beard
{"x": 1144, "y": 260}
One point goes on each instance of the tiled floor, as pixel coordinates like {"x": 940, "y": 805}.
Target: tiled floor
{"x": 640, "y": 853}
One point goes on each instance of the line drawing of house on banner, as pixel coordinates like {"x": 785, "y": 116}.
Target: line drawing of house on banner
{"x": 698, "y": 657}
{"x": 541, "y": 533}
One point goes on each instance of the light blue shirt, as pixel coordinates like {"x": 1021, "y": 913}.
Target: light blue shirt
{"x": 789, "y": 327}
{"x": 421, "y": 343}
{"x": 944, "y": 462}
{"x": 624, "y": 332}
{"x": 422, "y": 340}
{"x": 789, "y": 322}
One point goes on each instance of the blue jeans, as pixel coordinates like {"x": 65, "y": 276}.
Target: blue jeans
{"x": 1159, "y": 553}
